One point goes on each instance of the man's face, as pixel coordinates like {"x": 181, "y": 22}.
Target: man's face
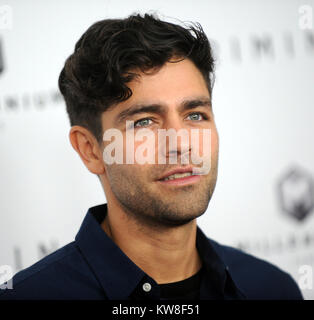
{"x": 174, "y": 97}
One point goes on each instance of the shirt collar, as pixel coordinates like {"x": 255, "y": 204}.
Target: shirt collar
{"x": 218, "y": 275}
{"x": 108, "y": 262}
{"x": 119, "y": 276}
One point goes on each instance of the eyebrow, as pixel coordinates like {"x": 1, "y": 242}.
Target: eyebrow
{"x": 195, "y": 103}
{"x": 157, "y": 108}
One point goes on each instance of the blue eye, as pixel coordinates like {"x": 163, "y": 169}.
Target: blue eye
{"x": 195, "y": 116}
{"x": 142, "y": 123}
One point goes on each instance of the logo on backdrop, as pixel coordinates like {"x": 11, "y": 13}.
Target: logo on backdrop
{"x": 306, "y": 17}
{"x": 15, "y": 102}
{"x": 296, "y": 193}
{"x": 6, "y": 274}
{"x": 6, "y": 17}
{"x": 1, "y": 58}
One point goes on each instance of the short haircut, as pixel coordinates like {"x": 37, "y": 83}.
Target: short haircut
{"x": 108, "y": 55}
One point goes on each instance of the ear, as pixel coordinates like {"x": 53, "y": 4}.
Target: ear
{"x": 87, "y": 147}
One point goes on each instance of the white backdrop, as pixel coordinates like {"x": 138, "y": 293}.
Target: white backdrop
{"x": 263, "y": 102}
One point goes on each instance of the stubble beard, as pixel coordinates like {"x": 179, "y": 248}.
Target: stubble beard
{"x": 156, "y": 207}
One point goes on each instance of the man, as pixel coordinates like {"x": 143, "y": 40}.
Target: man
{"x": 133, "y": 74}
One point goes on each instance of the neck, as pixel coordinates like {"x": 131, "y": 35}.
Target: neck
{"x": 165, "y": 254}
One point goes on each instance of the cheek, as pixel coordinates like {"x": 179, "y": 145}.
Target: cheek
{"x": 140, "y": 148}
{"x": 207, "y": 142}
{"x": 124, "y": 174}
{"x": 214, "y": 142}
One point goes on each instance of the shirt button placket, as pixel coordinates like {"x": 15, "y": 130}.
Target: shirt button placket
{"x": 147, "y": 287}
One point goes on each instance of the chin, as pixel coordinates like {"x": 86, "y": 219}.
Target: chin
{"x": 176, "y": 222}
{"x": 179, "y": 218}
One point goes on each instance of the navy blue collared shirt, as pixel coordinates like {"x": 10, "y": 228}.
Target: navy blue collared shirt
{"x": 94, "y": 267}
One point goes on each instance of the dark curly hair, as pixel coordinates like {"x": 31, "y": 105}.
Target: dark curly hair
{"x": 108, "y": 54}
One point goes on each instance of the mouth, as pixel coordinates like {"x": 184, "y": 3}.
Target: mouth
{"x": 180, "y": 177}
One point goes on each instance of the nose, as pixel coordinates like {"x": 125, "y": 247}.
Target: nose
{"x": 177, "y": 146}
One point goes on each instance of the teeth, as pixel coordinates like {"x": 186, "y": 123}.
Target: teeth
{"x": 178, "y": 175}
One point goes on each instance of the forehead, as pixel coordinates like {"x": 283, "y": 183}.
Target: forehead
{"x": 168, "y": 86}
{"x": 169, "y": 83}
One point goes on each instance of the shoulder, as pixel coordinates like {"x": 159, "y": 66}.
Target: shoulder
{"x": 255, "y": 277}
{"x": 59, "y": 275}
